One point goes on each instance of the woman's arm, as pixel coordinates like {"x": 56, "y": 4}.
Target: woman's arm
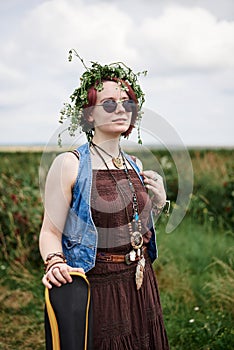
{"x": 58, "y": 194}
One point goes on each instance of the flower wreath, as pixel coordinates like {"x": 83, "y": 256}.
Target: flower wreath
{"x": 94, "y": 76}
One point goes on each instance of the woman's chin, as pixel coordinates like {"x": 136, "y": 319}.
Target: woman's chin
{"x": 115, "y": 128}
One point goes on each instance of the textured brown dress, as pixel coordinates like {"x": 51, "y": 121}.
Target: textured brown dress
{"x": 124, "y": 318}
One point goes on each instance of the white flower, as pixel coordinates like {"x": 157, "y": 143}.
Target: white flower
{"x": 196, "y": 308}
{"x": 192, "y": 320}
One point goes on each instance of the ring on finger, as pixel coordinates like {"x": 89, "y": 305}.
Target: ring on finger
{"x": 55, "y": 267}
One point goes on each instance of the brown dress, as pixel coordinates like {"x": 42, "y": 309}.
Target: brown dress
{"x": 124, "y": 318}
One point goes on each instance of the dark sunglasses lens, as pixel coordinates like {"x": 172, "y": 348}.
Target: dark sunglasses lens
{"x": 109, "y": 106}
{"x": 129, "y": 105}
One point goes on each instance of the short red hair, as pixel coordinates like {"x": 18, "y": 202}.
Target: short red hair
{"x": 92, "y": 99}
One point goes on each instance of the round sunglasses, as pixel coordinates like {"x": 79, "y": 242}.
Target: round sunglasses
{"x": 110, "y": 105}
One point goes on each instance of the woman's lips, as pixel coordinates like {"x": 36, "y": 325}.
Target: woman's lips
{"x": 120, "y": 120}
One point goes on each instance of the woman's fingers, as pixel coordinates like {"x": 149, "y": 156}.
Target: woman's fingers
{"x": 154, "y": 182}
{"x": 59, "y": 275}
{"x": 46, "y": 282}
{"x": 76, "y": 269}
{"x": 64, "y": 270}
{"x": 151, "y": 176}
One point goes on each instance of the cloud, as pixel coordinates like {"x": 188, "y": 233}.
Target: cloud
{"x": 180, "y": 39}
{"x": 34, "y": 54}
{"x": 57, "y": 25}
{"x": 177, "y": 45}
{"x": 187, "y": 39}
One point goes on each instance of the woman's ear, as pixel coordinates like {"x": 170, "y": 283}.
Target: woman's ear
{"x": 90, "y": 118}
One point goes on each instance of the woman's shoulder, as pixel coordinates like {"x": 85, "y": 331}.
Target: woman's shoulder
{"x": 65, "y": 166}
{"x": 69, "y": 158}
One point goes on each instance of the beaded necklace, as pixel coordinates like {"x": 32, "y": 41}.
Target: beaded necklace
{"x": 134, "y": 226}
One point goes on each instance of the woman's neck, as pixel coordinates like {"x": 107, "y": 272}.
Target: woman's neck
{"x": 109, "y": 145}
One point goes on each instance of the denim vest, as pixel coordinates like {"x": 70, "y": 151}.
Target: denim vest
{"x": 80, "y": 236}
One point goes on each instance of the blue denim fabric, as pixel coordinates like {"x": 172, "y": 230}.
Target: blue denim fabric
{"x": 80, "y": 235}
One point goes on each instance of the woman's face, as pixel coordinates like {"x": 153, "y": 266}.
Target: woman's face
{"x": 116, "y": 122}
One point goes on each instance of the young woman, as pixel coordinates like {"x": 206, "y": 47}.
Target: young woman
{"x": 98, "y": 217}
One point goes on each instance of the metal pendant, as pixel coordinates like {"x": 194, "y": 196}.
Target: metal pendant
{"x": 140, "y": 272}
{"x": 136, "y": 240}
{"x": 118, "y": 162}
{"x": 132, "y": 255}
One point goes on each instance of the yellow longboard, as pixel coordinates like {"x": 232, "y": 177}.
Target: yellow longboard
{"x": 68, "y": 318}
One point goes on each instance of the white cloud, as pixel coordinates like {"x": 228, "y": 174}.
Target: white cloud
{"x": 177, "y": 47}
{"x": 95, "y": 30}
{"x": 187, "y": 39}
{"x": 34, "y": 56}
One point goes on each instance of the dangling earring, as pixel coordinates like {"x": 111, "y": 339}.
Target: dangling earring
{"x": 89, "y": 129}
{"x": 89, "y": 135}
{"x": 139, "y": 128}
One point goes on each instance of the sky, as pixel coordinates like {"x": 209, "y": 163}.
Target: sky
{"x": 187, "y": 47}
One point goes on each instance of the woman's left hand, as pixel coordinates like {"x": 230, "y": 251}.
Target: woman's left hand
{"x": 154, "y": 182}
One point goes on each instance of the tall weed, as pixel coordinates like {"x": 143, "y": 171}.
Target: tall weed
{"x": 20, "y": 207}
{"x": 194, "y": 269}
{"x": 195, "y": 275}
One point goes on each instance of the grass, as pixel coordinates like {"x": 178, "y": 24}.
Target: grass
{"x": 195, "y": 274}
{"x": 21, "y": 312}
{"x": 194, "y": 269}
{"x": 195, "y": 277}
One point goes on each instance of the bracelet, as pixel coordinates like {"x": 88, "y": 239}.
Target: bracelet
{"x": 158, "y": 209}
{"x": 52, "y": 263}
{"x": 52, "y": 255}
{"x": 49, "y": 260}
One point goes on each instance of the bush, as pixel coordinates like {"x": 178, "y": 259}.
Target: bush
{"x": 20, "y": 207}
{"x": 194, "y": 269}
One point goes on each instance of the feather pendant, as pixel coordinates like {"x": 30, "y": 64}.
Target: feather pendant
{"x": 140, "y": 272}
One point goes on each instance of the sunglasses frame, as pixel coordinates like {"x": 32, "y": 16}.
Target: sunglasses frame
{"x": 111, "y": 107}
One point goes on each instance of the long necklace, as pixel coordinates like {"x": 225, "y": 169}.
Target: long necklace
{"x": 134, "y": 227}
{"x": 117, "y": 161}
{"x": 136, "y": 236}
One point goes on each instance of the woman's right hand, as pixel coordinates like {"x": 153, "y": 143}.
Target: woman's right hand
{"x": 59, "y": 275}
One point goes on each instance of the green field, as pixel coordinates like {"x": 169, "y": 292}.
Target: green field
{"x": 194, "y": 269}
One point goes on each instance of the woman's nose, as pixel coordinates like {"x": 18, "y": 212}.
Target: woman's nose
{"x": 120, "y": 107}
